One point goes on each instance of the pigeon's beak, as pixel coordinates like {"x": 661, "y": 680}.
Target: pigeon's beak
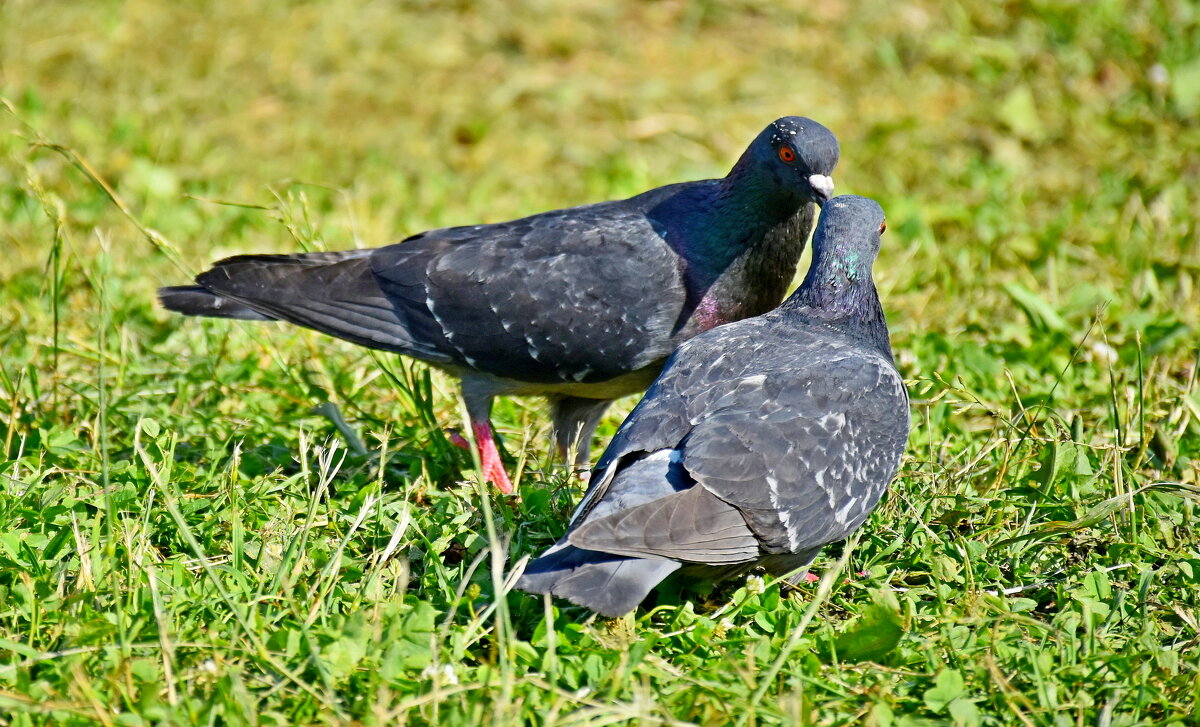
{"x": 822, "y": 186}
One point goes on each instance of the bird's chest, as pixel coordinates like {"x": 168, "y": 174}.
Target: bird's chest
{"x": 733, "y": 297}
{"x": 750, "y": 285}
{"x": 715, "y": 310}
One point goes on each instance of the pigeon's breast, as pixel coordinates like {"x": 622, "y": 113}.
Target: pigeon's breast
{"x": 755, "y": 282}
{"x": 712, "y": 311}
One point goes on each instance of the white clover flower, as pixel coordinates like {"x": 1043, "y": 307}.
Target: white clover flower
{"x": 444, "y": 675}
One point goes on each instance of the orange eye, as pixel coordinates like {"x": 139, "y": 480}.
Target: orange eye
{"x": 882, "y": 227}
{"x": 786, "y": 154}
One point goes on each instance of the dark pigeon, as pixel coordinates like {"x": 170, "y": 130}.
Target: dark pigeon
{"x": 580, "y": 305}
{"x": 761, "y": 442}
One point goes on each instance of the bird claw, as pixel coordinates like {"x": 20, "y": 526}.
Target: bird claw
{"x": 795, "y": 581}
{"x": 489, "y": 457}
{"x": 494, "y": 472}
{"x": 490, "y": 465}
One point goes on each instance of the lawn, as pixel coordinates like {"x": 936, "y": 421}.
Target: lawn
{"x": 190, "y": 535}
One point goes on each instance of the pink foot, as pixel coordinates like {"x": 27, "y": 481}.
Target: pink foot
{"x": 457, "y": 439}
{"x": 489, "y": 457}
{"x": 811, "y": 577}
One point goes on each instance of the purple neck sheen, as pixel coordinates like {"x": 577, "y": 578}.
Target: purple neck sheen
{"x": 709, "y": 314}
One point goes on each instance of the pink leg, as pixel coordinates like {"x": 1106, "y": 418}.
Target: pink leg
{"x": 489, "y": 457}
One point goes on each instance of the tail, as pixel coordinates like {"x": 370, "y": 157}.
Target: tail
{"x": 332, "y": 292}
{"x": 193, "y": 300}
{"x": 610, "y": 585}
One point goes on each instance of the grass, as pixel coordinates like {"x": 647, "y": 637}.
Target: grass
{"x": 183, "y": 541}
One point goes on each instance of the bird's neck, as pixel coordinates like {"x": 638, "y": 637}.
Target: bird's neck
{"x": 740, "y": 238}
{"x": 839, "y": 292}
{"x": 750, "y": 215}
{"x": 748, "y": 252}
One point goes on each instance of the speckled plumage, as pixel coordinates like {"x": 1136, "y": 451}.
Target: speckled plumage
{"x": 581, "y": 305}
{"x": 761, "y": 442}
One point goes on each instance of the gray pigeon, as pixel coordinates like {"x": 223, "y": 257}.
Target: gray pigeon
{"x": 580, "y": 305}
{"x": 761, "y": 442}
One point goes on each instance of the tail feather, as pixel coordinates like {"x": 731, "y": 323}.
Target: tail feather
{"x": 193, "y": 300}
{"x": 611, "y": 585}
{"x": 332, "y": 292}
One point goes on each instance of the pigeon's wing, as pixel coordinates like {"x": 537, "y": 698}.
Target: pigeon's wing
{"x": 579, "y": 295}
{"x": 576, "y": 295}
{"x": 695, "y": 374}
{"x": 804, "y": 456}
{"x": 689, "y": 526}
{"x": 780, "y": 461}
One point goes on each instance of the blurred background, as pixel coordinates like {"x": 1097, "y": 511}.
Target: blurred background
{"x": 1039, "y": 161}
{"x": 1052, "y": 144}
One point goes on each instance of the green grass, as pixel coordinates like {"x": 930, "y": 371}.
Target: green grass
{"x": 182, "y": 541}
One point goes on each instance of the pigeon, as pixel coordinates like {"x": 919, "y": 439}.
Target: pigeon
{"x": 580, "y": 305}
{"x": 761, "y": 441}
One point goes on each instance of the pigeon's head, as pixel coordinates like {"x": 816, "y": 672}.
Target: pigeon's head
{"x": 848, "y": 235}
{"x": 838, "y": 286}
{"x": 799, "y": 154}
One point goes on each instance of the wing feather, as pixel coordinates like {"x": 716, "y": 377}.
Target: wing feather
{"x": 688, "y": 526}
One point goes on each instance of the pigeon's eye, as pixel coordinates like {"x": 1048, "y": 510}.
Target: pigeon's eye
{"x": 787, "y": 154}
{"x": 882, "y": 226}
